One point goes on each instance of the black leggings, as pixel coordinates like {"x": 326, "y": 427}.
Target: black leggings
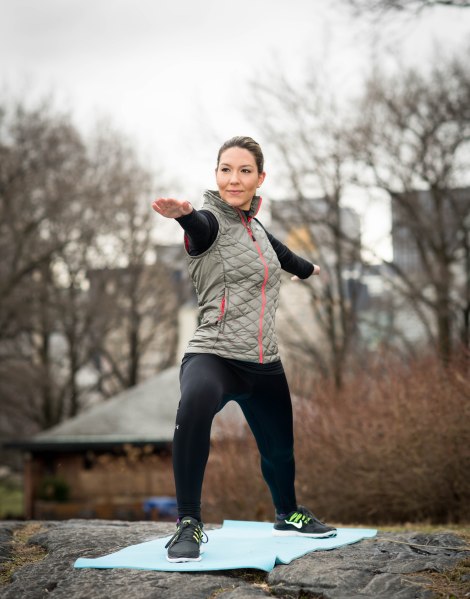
{"x": 208, "y": 382}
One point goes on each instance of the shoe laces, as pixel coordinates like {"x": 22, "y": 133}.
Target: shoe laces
{"x": 305, "y": 515}
{"x": 188, "y": 530}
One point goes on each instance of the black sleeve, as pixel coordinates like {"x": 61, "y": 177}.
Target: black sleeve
{"x": 201, "y": 228}
{"x": 290, "y": 262}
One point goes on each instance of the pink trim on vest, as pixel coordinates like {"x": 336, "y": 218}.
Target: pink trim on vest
{"x": 263, "y": 286}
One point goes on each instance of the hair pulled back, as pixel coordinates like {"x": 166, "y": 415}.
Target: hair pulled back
{"x": 246, "y": 143}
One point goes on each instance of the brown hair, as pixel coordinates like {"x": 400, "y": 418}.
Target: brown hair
{"x": 246, "y": 143}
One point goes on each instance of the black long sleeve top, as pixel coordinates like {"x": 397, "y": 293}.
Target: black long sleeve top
{"x": 201, "y": 227}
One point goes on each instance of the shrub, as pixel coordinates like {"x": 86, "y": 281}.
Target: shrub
{"x": 392, "y": 446}
{"x": 53, "y": 488}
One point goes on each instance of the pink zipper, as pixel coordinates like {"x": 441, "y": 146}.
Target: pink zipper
{"x": 263, "y": 286}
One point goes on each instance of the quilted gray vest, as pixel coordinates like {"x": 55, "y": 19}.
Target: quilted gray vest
{"x": 237, "y": 283}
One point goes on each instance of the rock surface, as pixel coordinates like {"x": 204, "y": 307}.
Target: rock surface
{"x": 386, "y": 567}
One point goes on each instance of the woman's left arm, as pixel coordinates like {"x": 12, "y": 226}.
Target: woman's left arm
{"x": 290, "y": 262}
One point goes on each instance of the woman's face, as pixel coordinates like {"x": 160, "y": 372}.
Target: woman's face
{"x": 238, "y": 178}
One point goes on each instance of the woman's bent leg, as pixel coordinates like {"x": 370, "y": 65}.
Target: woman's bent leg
{"x": 205, "y": 380}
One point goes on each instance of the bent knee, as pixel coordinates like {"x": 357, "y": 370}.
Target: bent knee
{"x": 200, "y": 399}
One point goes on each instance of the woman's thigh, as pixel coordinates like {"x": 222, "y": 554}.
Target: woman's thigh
{"x": 268, "y": 411}
{"x": 207, "y": 382}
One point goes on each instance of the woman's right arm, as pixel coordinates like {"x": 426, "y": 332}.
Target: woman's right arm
{"x": 201, "y": 227}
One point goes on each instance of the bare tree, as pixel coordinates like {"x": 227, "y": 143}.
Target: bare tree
{"x": 37, "y": 150}
{"x": 304, "y": 125}
{"x": 381, "y": 7}
{"x": 69, "y": 207}
{"x": 43, "y": 161}
{"x": 408, "y": 137}
{"x": 413, "y": 139}
{"x": 138, "y": 331}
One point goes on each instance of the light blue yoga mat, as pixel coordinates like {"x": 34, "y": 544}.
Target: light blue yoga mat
{"x": 236, "y": 545}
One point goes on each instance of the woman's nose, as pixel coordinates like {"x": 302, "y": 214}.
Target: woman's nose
{"x": 234, "y": 177}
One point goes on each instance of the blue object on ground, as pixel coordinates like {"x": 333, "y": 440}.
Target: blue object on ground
{"x": 236, "y": 545}
{"x": 166, "y": 507}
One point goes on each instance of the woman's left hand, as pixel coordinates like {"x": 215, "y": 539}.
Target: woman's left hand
{"x": 316, "y": 271}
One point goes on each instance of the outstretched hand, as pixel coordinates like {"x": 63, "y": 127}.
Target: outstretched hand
{"x": 316, "y": 271}
{"x": 171, "y": 208}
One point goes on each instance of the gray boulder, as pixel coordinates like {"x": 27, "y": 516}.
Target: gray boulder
{"x": 388, "y": 566}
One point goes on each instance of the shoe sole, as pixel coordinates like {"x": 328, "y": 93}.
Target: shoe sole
{"x": 185, "y": 559}
{"x": 311, "y": 535}
{"x": 177, "y": 560}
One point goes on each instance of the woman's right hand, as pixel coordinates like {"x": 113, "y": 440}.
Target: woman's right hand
{"x": 171, "y": 208}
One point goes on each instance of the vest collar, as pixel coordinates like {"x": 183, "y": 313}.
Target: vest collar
{"x": 213, "y": 197}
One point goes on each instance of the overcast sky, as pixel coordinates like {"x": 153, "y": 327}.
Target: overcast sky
{"x": 174, "y": 74}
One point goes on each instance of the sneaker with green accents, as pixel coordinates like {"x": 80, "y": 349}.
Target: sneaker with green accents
{"x": 302, "y": 523}
{"x": 184, "y": 545}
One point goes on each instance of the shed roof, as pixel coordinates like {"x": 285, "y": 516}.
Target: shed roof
{"x": 138, "y": 415}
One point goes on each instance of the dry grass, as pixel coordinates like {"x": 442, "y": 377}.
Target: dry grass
{"x": 22, "y": 553}
{"x": 452, "y": 584}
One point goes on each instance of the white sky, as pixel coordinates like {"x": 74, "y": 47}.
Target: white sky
{"x": 173, "y": 75}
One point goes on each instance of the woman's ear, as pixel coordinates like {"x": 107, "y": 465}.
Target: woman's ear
{"x": 261, "y": 178}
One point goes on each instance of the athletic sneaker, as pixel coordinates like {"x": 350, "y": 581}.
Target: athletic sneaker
{"x": 302, "y": 523}
{"x": 184, "y": 545}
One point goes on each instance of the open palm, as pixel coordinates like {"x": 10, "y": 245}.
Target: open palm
{"x": 172, "y": 208}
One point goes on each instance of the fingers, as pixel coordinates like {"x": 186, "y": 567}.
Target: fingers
{"x": 163, "y": 204}
{"x": 171, "y": 208}
{"x": 156, "y": 205}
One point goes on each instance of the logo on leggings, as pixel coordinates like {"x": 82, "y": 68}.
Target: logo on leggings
{"x": 177, "y": 426}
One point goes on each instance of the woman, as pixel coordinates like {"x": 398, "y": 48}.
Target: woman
{"x": 236, "y": 266}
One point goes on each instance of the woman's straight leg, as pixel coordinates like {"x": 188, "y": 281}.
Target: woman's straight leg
{"x": 269, "y": 414}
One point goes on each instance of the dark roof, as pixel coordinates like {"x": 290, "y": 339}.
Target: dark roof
{"x": 144, "y": 414}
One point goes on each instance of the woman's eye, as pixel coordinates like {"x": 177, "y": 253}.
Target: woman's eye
{"x": 224, "y": 169}
{"x": 246, "y": 170}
